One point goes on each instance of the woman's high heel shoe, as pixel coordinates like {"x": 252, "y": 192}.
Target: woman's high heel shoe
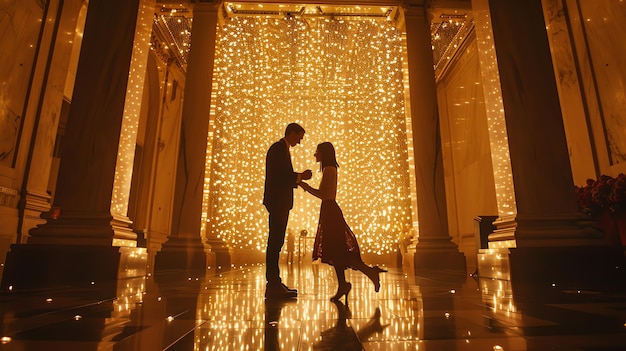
{"x": 375, "y": 276}
{"x": 342, "y": 290}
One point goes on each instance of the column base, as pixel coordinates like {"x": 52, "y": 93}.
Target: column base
{"x": 182, "y": 255}
{"x": 219, "y": 260}
{"x": 420, "y": 261}
{"x": 72, "y": 228}
{"x": 219, "y": 255}
{"x": 95, "y": 269}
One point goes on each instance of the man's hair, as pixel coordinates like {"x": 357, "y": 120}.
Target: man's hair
{"x": 293, "y": 127}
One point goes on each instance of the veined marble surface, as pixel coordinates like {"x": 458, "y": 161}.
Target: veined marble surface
{"x": 570, "y": 92}
{"x": 604, "y": 28}
{"x": 466, "y": 143}
{"x": 20, "y": 21}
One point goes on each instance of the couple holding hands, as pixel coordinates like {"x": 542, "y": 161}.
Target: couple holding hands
{"x": 335, "y": 243}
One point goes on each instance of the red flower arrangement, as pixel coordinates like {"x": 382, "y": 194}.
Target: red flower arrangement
{"x": 604, "y": 193}
{"x": 604, "y": 200}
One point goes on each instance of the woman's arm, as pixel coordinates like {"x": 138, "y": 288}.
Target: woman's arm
{"x": 328, "y": 184}
{"x": 310, "y": 189}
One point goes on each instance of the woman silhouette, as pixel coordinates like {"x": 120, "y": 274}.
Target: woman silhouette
{"x": 335, "y": 243}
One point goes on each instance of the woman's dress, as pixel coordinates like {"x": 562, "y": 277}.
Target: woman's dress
{"x": 335, "y": 243}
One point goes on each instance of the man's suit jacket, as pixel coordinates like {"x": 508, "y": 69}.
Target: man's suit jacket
{"x": 280, "y": 179}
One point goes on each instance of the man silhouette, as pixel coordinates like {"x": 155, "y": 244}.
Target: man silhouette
{"x": 280, "y": 180}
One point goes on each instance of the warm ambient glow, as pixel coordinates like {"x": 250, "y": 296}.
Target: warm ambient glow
{"x": 343, "y": 81}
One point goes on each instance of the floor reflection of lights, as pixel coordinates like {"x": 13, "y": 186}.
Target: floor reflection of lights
{"x": 228, "y": 311}
{"x": 239, "y": 315}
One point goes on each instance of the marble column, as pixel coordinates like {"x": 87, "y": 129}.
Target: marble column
{"x": 434, "y": 248}
{"x": 553, "y": 243}
{"x": 78, "y": 245}
{"x": 547, "y": 211}
{"x": 185, "y": 248}
{"x": 90, "y": 145}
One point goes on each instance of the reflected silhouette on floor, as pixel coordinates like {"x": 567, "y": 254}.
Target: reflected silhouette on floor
{"x": 372, "y": 327}
{"x": 340, "y": 337}
{"x": 343, "y": 337}
{"x": 273, "y": 308}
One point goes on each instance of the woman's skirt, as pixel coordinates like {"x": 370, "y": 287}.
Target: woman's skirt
{"x": 335, "y": 242}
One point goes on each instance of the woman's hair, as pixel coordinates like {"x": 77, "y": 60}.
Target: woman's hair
{"x": 327, "y": 155}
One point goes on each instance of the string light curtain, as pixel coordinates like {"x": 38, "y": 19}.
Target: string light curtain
{"x": 342, "y": 81}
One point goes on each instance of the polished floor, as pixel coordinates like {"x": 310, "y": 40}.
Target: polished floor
{"x": 433, "y": 312}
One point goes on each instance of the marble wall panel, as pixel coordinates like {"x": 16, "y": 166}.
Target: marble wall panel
{"x": 604, "y": 30}
{"x": 467, "y": 155}
{"x": 53, "y": 97}
{"x": 75, "y": 54}
{"x": 570, "y": 92}
{"x": 20, "y": 23}
{"x": 168, "y": 133}
{"x": 588, "y": 86}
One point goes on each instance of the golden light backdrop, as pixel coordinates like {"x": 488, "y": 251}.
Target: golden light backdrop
{"x": 342, "y": 80}
{"x": 130, "y": 121}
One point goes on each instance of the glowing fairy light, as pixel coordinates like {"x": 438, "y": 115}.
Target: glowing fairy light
{"x": 130, "y": 121}
{"x": 343, "y": 81}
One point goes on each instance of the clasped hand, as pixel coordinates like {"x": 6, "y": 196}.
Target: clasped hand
{"x": 306, "y": 175}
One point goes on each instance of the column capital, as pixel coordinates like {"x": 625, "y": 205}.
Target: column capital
{"x": 206, "y": 5}
{"x": 209, "y": 8}
{"x": 414, "y": 4}
{"x": 413, "y": 8}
